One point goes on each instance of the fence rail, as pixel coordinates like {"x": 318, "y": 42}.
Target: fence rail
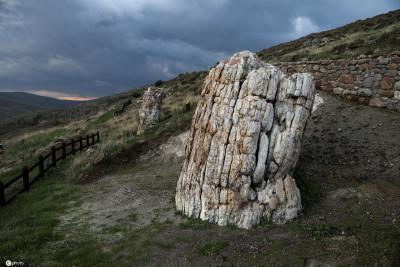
{"x": 31, "y": 174}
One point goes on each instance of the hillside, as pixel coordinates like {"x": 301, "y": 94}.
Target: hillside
{"x": 15, "y": 104}
{"x": 184, "y": 85}
{"x": 379, "y": 35}
{"x": 114, "y": 203}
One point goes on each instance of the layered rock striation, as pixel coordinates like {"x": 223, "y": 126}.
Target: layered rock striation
{"x": 244, "y": 143}
{"x": 150, "y": 111}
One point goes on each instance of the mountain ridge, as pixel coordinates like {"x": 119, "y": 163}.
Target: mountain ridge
{"x": 14, "y": 104}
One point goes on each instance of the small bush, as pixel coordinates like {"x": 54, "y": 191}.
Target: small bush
{"x": 158, "y": 83}
{"x": 137, "y": 93}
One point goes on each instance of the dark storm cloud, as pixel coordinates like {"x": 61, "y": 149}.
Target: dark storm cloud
{"x": 99, "y": 47}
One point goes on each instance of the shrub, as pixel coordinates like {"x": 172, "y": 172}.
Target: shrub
{"x": 158, "y": 83}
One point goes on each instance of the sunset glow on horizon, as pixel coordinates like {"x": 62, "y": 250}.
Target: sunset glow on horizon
{"x": 62, "y": 96}
{"x": 76, "y": 98}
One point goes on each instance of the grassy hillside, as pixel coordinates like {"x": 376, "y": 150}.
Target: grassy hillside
{"x": 379, "y": 35}
{"x": 30, "y": 138}
{"x": 183, "y": 87}
{"x": 15, "y": 104}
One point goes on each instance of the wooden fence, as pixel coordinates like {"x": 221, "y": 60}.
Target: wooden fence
{"x": 30, "y": 174}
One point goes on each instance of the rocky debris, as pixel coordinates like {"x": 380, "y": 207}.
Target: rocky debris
{"x": 98, "y": 153}
{"x": 376, "y": 102}
{"x": 95, "y": 155}
{"x": 318, "y": 101}
{"x": 244, "y": 143}
{"x": 149, "y": 113}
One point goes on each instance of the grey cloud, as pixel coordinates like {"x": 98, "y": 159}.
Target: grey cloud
{"x": 99, "y": 47}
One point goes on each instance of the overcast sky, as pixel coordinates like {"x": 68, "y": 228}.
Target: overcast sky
{"x": 92, "y": 48}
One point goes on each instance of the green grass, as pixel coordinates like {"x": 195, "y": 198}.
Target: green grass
{"x": 212, "y": 248}
{"x": 135, "y": 248}
{"x": 24, "y": 152}
{"x": 27, "y": 224}
{"x": 265, "y": 222}
{"x": 378, "y": 240}
{"x": 195, "y": 224}
{"x": 176, "y": 121}
{"x": 84, "y": 251}
{"x": 103, "y": 118}
{"x": 323, "y": 230}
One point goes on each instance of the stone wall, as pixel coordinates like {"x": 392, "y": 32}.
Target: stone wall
{"x": 373, "y": 81}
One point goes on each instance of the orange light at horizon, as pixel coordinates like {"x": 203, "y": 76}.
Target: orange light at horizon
{"x": 76, "y": 98}
{"x": 61, "y": 96}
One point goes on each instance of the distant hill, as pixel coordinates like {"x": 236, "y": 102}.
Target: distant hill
{"x": 379, "y": 35}
{"x": 15, "y": 104}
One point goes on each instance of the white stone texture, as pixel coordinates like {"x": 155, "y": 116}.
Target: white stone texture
{"x": 150, "y": 111}
{"x": 244, "y": 144}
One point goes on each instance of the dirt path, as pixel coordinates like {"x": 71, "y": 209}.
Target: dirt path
{"x": 348, "y": 174}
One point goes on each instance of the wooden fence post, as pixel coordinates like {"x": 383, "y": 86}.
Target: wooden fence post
{"x": 73, "y": 146}
{"x": 64, "y": 150}
{"x": 2, "y": 195}
{"x": 25, "y": 178}
{"x": 41, "y": 166}
{"x": 53, "y": 156}
{"x": 81, "y": 143}
{"x": 87, "y": 140}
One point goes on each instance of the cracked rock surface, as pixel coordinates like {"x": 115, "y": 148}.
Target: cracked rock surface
{"x": 150, "y": 111}
{"x": 244, "y": 143}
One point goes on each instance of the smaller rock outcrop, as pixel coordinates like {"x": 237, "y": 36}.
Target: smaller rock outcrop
{"x": 150, "y": 111}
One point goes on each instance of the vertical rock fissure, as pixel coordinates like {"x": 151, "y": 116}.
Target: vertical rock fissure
{"x": 208, "y": 151}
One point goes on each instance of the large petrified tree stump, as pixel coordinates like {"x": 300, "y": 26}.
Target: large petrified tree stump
{"x": 150, "y": 111}
{"x": 244, "y": 143}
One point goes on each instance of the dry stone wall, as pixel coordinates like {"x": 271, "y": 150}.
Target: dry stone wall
{"x": 373, "y": 81}
{"x": 244, "y": 144}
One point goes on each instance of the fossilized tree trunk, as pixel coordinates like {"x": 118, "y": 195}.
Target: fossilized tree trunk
{"x": 150, "y": 111}
{"x": 244, "y": 143}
